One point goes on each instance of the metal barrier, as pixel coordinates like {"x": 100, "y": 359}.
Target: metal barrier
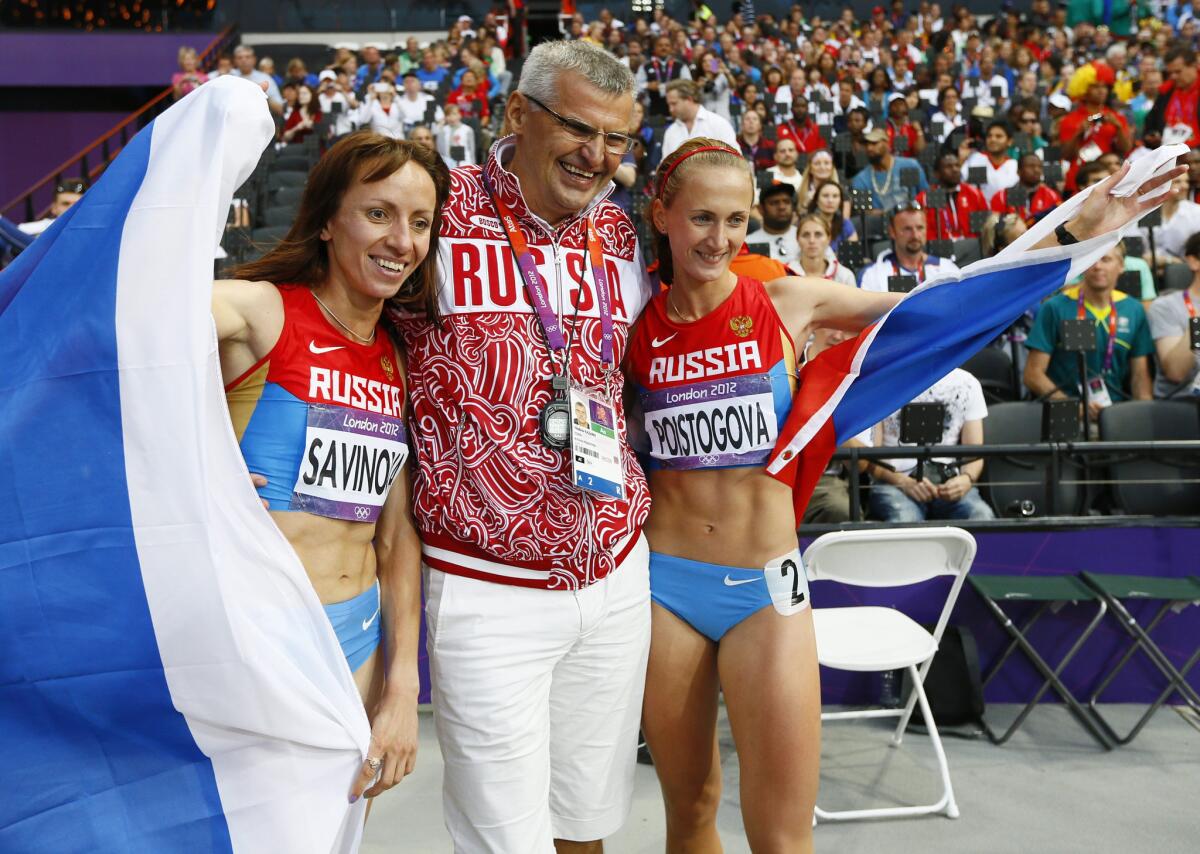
{"x": 92, "y": 161}
{"x": 1087, "y": 454}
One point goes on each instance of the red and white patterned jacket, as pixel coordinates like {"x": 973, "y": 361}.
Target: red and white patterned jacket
{"x": 489, "y": 499}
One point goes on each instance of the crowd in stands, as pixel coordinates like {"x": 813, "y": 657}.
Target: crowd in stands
{"x": 888, "y": 149}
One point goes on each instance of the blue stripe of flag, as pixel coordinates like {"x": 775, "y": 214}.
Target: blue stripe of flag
{"x": 94, "y": 755}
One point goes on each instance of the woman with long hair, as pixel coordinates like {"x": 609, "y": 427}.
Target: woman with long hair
{"x": 316, "y": 392}
{"x": 713, "y": 367}
{"x": 829, "y": 200}
{"x": 817, "y": 171}
{"x": 301, "y": 121}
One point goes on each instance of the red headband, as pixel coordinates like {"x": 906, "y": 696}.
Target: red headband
{"x": 662, "y": 185}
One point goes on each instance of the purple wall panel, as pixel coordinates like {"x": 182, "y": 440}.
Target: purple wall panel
{"x": 32, "y": 144}
{"x": 93, "y": 59}
{"x": 1127, "y": 551}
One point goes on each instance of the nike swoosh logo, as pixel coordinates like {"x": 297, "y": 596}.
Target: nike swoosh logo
{"x": 313, "y": 348}
{"x": 658, "y": 342}
{"x": 367, "y": 623}
{"x": 729, "y": 582}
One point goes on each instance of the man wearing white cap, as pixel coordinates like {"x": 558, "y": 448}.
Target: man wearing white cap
{"x": 414, "y": 103}
{"x": 330, "y": 93}
{"x": 464, "y": 27}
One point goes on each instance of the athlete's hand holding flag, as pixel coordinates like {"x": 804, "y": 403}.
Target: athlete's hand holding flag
{"x": 941, "y": 324}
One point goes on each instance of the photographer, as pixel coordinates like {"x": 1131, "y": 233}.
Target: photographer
{"x": 1093, "y": 128}
{"x": 716, "y": 81}
{"x": 946, "y": 489}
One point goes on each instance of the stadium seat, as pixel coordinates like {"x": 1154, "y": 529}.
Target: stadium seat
{"x": 275, "y": 180}
{"x": 1050, "y": 593}
{"x": 1176, "y": 277}
{"x": 866, "y": 639}
{"x": 287, "y": 196}
{"x": 1174, "y": 594}
{"x": 994, "y": 370}
{"x": 266, "y": 238}
{"x": 279, "y": 215}
{"x": 1011, "y": 481}
{"x": 967, "y": 251}
{"x": 1153, "y": 486}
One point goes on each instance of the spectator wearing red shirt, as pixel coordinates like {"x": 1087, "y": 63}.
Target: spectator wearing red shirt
{"x": 953, "y": 222}
{"x": 304, "y": 117}
{"x": 898, "y": 125}
{"x": 1039, "y": 197}
{"x": 471, "y": 97}
{"x": 1093, "y": 128}
{"x": 1179, "y": 98}
{"x": 755, "y": 147}
{"x": 801, "y": 128}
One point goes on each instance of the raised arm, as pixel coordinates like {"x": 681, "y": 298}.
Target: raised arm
{"x": 249, "y": 320}
{"x": 1102, "y": 212}
{"x": 805, "y": 303}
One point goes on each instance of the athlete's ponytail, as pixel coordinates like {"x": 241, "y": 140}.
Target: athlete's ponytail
{"x": 673, "y": 172}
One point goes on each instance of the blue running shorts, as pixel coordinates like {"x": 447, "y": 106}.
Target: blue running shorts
{"x": 711, "y": 599}
{"x": 356, "y": 622}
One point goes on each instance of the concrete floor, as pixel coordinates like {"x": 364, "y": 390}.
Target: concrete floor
{"x": 1050, "y": 789}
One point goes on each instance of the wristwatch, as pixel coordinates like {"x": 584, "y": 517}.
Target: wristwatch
{"x": 1064, "y": 237}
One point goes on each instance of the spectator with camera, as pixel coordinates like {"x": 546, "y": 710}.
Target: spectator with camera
{"x": 884, "y": 176}
{"x": 337, "y": 102}
{"x": 692, "y": 120}
{"x": 941, "y": 488}
{"x": 189, "y": 76}
{"x": 1175, "y": 327}
{"x": 1118, "y": 368}
{"x": 1093, "y": 128}
{"x": 908, "y": 258}
{"x": 951, "y": 220}
{"x": 380, "y": 113}
{"x": 1001, "y": 170}
{"x": 715, "y": 81}
{"x": 414, "y": 102}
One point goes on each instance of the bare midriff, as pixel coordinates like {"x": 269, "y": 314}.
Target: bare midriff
{"x": 337, "y": 554}
{"x": 730, "y": 517}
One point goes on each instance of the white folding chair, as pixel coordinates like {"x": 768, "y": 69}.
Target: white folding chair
{"x": 873, "y": 639}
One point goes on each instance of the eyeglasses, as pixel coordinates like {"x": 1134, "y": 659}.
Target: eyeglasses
{"x": 614, "y": 143}
{"x": 1029, "y": 120}
{"x": 906, "y": 207}
{"x": 71, "y": 187}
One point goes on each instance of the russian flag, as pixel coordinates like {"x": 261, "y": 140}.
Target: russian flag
{"x": 168, "y": 680}
{"x": 934, "y": 329}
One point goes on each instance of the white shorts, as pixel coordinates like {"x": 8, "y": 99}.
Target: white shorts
{"x": 537, "y": 697}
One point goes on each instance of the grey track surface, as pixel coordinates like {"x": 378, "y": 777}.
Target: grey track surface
{"x": 1050, "y": 789}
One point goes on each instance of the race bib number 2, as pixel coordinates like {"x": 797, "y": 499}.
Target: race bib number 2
{"x": 351, "y": 458}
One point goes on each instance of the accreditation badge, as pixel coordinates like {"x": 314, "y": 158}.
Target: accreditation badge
{"x": 595, "y": 448}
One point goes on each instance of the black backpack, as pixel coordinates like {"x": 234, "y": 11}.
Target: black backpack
{"x": 953, "y": 685}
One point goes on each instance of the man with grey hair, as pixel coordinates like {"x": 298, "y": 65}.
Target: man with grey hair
{"x": 244, "y": 66}
{"x": 536, "y": 570}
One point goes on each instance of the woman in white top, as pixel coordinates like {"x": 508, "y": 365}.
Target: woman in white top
{"x": 949, "y": 113}
{"x": 1180, "y": 220}
{"x": 813, "y": 235}
{"x": 380, "y": 113}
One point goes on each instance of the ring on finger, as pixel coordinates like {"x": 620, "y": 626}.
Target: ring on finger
{"x": 373, "y": 763}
